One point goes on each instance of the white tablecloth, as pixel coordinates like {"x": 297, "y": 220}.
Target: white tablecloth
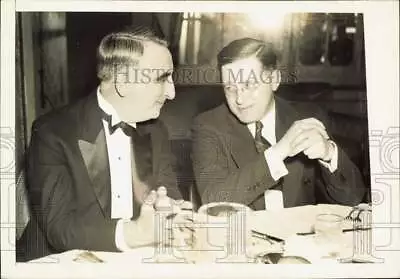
{"x": 283, "y": 224}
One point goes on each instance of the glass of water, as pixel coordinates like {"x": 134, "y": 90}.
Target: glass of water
{"x": 328, "y": 233}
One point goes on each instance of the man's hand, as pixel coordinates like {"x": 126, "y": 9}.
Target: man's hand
{"x": 181, "y": 214}
{"x": 175, "y": 205}
{"x": 141, "y": 232}
{"x": 308, "y": 136}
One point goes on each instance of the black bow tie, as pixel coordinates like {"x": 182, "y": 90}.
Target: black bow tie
{"x": 126, "y": 128}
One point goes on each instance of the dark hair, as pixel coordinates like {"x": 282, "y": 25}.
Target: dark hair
{"x": 123, "y": 48}
{"x": 245, "y": 48}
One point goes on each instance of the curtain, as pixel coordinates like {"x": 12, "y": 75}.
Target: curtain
{"x": 175, "y": 34}
{"x": 20, "y": 123}
{"x": 21, "y": 203}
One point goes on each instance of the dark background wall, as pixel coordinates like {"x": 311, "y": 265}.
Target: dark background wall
{"x": 84, "y": 33}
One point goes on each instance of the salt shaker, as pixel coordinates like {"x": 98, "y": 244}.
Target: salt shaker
{"x": 163, "y": 202}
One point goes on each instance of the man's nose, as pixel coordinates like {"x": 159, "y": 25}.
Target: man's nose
{"x": 170, "y": 90}
{"x": 239, "y": 96}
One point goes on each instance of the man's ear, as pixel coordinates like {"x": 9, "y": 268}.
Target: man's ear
{"x": 275, "y": 79}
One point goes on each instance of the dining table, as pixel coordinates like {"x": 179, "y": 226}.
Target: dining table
{"x": 288, "y": 232}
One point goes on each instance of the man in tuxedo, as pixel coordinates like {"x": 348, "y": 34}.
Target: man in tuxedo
{"x": 259, "y": 150}
{"x": 94, "y": 166}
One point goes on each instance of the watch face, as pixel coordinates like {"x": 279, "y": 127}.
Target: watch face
{"x": 220, "y": 210}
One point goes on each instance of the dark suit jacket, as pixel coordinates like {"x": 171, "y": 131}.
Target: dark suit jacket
{"x": 228, "y": 168}
{"x": 69, "y": 175}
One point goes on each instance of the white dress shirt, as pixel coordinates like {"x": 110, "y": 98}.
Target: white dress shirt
{"x": 119, "y": 157}
{"x": 273, "y": 198}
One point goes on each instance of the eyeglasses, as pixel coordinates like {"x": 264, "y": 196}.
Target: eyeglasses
{"x": 248, "y": 87}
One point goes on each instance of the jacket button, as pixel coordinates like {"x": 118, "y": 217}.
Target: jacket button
{"x": 307, "y": 181}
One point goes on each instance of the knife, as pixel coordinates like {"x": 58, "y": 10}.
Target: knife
{"x": 345, "y": 230}
{"x": 266, "y": 236}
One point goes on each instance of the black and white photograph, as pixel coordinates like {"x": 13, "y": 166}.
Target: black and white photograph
{"x": 156, "y": 137}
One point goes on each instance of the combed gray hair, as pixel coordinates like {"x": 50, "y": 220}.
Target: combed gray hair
{"x": 123, "y": 48}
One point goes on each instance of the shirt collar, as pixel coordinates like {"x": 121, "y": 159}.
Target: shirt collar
{"x": 109, "y": 109}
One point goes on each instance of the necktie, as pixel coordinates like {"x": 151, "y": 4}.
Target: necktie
{"x": 261, "y": 143}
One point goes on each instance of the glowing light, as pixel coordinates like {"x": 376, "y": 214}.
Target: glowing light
{"x": 351, "y": 30}
{"x": 272, "y": 20}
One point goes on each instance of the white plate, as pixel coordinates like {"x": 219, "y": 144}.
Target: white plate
{"x": 289, "y": 221}
{"x": 206, "y": 208}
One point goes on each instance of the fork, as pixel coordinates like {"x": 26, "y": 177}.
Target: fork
{"x": 360, "y": 209}
{"x": 350, "y": 217}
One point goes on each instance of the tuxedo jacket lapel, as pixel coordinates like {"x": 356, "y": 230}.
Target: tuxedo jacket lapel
{"x": 95, "y": 158}
{"x": 93, "y": 148}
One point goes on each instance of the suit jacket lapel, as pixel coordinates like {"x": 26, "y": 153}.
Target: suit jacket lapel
{"x": 239, "y": 137}
{"x": 93, "y": 148}
{"x": 285, "y": 116}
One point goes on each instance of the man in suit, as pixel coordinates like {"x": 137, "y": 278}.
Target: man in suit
{"x": 94, "y": 166}
{"x": 259, "y": 150}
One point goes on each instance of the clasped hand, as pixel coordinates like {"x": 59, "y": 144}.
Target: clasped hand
{"x": 308, "y": 136}
{"x": 142, "y": 231}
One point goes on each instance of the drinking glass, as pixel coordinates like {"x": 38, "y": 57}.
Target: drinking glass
{"x": 328, "y": 233}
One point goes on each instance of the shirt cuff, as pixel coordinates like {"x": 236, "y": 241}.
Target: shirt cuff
{"x": 119, "y": 236}
{"x": 332, "y": 165}
{"x": 273, "y": 200}
{"x": 276, "y": 165}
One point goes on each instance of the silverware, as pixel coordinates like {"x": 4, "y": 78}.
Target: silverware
{"x": 88, "y": 256}
{"x": 266, "y": 237}
{"x": 263, "y": 238}
{"x": 358, "y": 219}
{"x": 360, "y": 208}
{"x": 344, "y": 231}
{"x": 356, "y": 259}
{"x": 350, "y": 215}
